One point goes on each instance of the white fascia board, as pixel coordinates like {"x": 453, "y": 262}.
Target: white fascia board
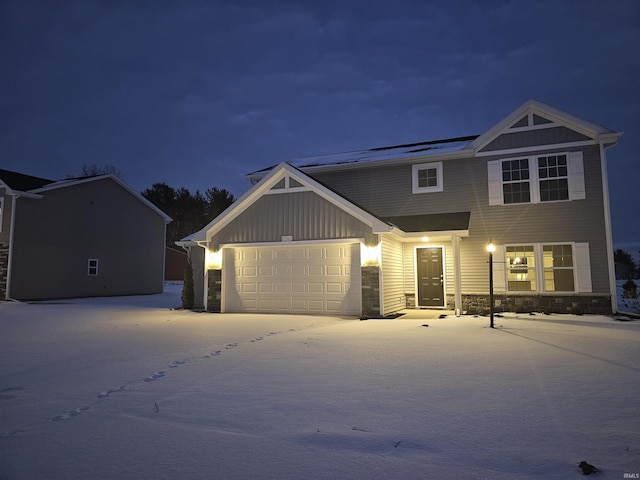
{"x": 558, "y": 116}
{"x": 263, "y": 186}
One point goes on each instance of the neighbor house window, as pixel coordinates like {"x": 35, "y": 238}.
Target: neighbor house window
{"x": 427, "y": 177}
{"x": 536, "y": 179}
{"x": 558, "y": 268}
{"x": 92, "y": 267}
{"x": 521, "y": 268}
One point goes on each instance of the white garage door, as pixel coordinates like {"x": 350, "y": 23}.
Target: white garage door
{"x": 311, "y": 279}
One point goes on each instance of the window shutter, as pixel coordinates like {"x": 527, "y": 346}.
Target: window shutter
{"x": 583, "y": 267}
{"x": 499, "y": 270}
{"x": 576, "y": 176}
{"x": 494, "y": 172}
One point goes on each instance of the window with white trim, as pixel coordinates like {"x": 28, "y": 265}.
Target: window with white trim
{"x": 427, "y": 177}
{"x": 521, "y": 268}
{"x": 536, "y": 179}
{"x": 92, "y": 267}
{"x": 547, "y": 267}
{"x": 558, "y": 268}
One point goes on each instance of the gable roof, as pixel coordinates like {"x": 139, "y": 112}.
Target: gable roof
{"x": 20, "y": 182}
{"x": 302, "y": 182}
{"x": 534, "y": 114}
{"x": 78, "y": 181}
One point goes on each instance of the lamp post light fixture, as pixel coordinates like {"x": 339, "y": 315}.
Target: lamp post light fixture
{"x": 491, "y": 248}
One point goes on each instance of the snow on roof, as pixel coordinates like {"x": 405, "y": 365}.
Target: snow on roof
{"x": 407, "y": 150}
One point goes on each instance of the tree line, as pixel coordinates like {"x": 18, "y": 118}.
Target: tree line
{"x": 189, "y": 211}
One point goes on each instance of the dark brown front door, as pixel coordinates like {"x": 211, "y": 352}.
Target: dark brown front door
{"x": 430, "y": 277}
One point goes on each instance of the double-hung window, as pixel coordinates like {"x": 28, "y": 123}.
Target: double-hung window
{"x": 545, "y": 267}
{"x": 536, "y": 179}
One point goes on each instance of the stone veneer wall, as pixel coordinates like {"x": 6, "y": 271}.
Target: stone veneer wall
{"x": 479, "y": 304}
{"x": 4, "y": 267}
{"x": 370, "y": 291}
{"x": 214, "y": 291}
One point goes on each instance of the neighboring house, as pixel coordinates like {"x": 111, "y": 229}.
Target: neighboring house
{"x": 93, "y": 236}
{"x": 375, "y": 231}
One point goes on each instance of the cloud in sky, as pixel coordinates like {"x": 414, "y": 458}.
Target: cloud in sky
{"x": 197, "y": 93}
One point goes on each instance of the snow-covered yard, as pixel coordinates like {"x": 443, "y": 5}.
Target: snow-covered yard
{"x": 126, "y": 388}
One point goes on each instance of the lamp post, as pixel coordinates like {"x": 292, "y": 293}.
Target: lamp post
{"x": 491, "y": 248}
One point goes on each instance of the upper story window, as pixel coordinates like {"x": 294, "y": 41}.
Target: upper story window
{"x": 427, "y": 177}
{"x": 554, "y": 178}
{"x": 515, "y": 181}
{"x": 536, "y": 179}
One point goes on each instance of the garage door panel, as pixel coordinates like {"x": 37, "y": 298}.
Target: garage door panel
{"x": 302, "y": 279}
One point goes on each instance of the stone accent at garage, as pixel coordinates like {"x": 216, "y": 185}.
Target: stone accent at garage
{"x": 214, "y": 291}
{"x": 370, "y": 291}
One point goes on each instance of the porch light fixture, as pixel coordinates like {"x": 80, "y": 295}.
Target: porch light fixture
{"x": 491, "y": 248}
{"x": 369, "y": 255}
{"x": 213, "y": 260}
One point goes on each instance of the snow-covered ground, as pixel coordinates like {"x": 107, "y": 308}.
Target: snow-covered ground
{"x": 127, "y": 388}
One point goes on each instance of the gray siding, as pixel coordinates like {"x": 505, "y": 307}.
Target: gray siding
{"x": 56, "y": 235}
{"x": 532, "y": 138}
{"x": 196, "y": 255}
{"x": 386, "y": 191}
{"x": 5, "y": 218}
{"x": 392, "y": 276}
{"x": 302, "y": 215}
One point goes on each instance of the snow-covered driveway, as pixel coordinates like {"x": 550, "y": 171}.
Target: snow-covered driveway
{"x": 104, "y": 390}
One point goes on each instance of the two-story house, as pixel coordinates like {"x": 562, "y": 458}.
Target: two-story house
{"x": 375, "y": 231}
{"x": 82, "y": 237}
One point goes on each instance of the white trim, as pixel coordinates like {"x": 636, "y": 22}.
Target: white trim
{"x": 536, "y": 148}
{"x": 295, "y": 243}
{"x": 415, "y": 169}
{"x": 273, "y": 177}
{"x": 575, "y": 178}
{"x": 444, "y": 276}
{"x": 559, "y": 117}
{"x": 607, "y": 229}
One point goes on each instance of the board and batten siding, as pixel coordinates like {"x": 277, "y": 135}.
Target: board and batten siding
{"x": 301, "y": 215}
{"x": 392, "y": 276}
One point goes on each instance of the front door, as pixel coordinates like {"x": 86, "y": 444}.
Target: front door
{"x": 430, "y": 277}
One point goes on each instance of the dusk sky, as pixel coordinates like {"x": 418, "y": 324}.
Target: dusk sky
{"x": 198, "y": 93}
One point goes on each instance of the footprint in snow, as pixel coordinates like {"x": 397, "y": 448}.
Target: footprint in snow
{"x": 257, "y": 339}
{"x": 231, "y": 345}
{"x": 216, "y": 353}
{"x": 69, "y": 414}
{"x": 109, "y": 392}
{"x": 155, "y": 376}
{"x": 177, "y": 363}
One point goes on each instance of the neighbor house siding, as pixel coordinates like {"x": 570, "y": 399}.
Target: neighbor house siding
{"x": 196, "y": 255}
{"x": 392, "y": 276}
{"x": 545, "y": 136}
{"x": 302, "y": 216}
{"x": 104, "y": 222}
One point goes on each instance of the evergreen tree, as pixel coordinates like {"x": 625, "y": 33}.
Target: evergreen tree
{"x": 187, "y": 288}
